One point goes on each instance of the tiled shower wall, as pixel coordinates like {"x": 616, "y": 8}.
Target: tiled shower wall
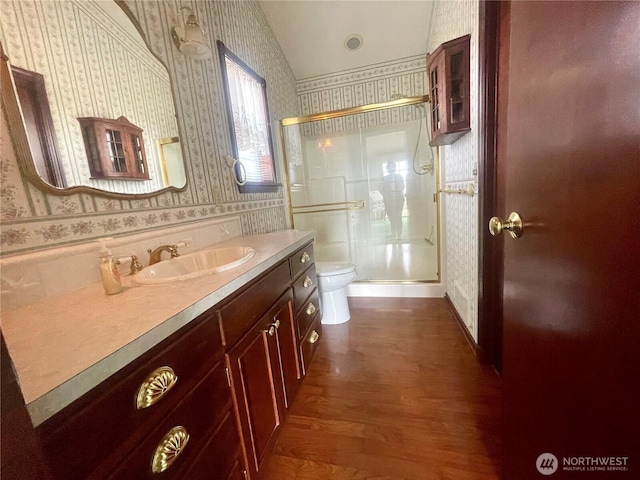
{"x": 32, "y": 220}
{"x": 452, "y": 19}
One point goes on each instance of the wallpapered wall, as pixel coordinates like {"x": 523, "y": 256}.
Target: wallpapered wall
{"x": 361, "y": 86}
{"x": 93, "y": 66}
{"x": 452, "y": 19}
{"x": 32, "y": 220}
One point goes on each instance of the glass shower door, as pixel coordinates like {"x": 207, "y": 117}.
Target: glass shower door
{"x": 366, "y": 185}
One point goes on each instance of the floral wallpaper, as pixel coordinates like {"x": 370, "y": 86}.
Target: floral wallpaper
{"x": 31, "y": 219}
{"x": 459, "y": 162}
{"x": 365, "y": 85}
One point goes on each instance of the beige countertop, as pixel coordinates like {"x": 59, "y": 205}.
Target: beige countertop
{"x": 67, "y": 344}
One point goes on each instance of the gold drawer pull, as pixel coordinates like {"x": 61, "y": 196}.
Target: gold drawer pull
{"x": 311, "y": 309}
{"x": 307, "y": 282}
{"x": 169, "y": 448}
{"x": 305, "y": 258}
{"x": 155, "y": 386}
{"x": 313, "y": 338}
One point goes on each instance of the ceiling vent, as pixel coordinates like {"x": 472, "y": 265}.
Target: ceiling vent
{"x": 353, "y": 42}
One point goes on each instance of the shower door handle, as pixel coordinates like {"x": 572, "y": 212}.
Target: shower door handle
{"x": 514, "y": 225}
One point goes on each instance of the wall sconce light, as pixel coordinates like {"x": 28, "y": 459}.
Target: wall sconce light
{"x": 189, "y": 36}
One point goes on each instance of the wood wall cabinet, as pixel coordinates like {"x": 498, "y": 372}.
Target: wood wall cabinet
{"x": 115, "y": 148}
{"x": 449, "y": 83}
{"x": 233, "y": 375}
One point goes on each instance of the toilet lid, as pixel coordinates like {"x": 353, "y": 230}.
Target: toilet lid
{"x": 334, "y": 268}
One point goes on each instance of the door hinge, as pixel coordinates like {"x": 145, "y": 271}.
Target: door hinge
{"x": 226, "y": 371}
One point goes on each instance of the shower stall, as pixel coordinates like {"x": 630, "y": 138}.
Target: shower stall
{"x": 365, "y": 180}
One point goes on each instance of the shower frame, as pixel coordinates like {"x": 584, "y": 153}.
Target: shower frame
{"x": 371, "y": 107}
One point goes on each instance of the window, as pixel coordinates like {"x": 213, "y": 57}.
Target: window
{"x": 246, "y": 97}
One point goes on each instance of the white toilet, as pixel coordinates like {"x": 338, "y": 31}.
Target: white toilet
{"x": 333, "y": 277}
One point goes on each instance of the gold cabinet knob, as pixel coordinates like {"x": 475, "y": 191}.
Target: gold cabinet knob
{"x": 307, "y": 282}
{"x": 155, "y": 386}
{"x": 305, "y": 258}
{"x": 513, "y": 225}
{"x": 311, "y": 309}
{"x": 273, "y": 327}
{"x": 313, "y": 338}
{"x": 169, "y": 449}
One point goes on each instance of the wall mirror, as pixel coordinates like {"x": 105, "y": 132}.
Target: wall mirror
{"x": 71, "y": 60}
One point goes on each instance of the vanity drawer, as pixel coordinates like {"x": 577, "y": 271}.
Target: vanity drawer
{"x": 200, "y": 413}
{"x": 307, "y": 314}
{"x": 239, "y": 315}
{"x": 303, "y": 286}
{"x": 310, "y": 343}
{"x": 106, "y": 418}
{"x": 301, "y": 260}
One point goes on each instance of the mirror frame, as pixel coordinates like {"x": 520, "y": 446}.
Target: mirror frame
{"x": 20, "y": 141}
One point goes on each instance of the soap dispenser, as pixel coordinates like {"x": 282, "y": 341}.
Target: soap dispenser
{"x": 108, "y": 271}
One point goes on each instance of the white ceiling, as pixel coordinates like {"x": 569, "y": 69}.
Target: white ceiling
{"x": 312, "y": 33}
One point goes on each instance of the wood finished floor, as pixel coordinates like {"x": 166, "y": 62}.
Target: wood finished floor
{"x": 395, "y": 393}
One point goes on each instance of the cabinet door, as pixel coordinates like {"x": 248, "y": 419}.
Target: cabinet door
{"x": 265, "y": 374}
{"x": 257, "y": 389}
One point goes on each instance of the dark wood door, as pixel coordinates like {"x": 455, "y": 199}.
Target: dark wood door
{"x": 570, "y": 147}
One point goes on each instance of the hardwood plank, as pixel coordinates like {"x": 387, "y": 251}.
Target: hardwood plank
{"x": 394, "y": 393}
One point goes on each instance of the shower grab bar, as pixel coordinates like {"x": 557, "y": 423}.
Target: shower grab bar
{"x": 470, "y": 190}
{"x": 349, "y": 205}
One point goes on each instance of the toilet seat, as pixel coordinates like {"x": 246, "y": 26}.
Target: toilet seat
{"x": 324, "y": 269}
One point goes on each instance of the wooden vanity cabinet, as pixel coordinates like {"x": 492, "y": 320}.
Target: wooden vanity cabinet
{"x": 266, "y": 364}
{"x": 265, "y": 374}
{"x": 449, "y": 91}
{"x": 238, "y": 368}
{"x": 104, "y": 429}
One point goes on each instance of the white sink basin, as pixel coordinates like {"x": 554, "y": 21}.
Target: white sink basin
{"x": 192, "y": 265}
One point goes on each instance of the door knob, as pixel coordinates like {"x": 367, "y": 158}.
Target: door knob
{"x": 513, "y": 225}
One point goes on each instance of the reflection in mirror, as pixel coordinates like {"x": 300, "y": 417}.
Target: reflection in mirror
{"x": 171, "y": 161}
{"x": 75, "y": 60}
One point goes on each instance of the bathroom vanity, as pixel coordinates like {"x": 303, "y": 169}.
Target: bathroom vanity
{"x": 199, "y": 395}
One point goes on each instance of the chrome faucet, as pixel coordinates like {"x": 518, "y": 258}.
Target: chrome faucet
{"x": 155, "y": 255}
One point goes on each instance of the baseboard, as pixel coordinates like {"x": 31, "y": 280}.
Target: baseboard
{"x": 479, "y": 352}
{"x": 400, "y": 290}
